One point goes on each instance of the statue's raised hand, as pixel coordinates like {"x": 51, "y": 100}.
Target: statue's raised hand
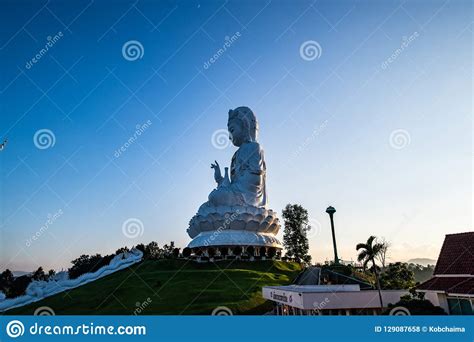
{"x": 217, "y": 172}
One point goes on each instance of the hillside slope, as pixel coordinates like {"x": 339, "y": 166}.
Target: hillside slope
{"x": 173, "y": 287}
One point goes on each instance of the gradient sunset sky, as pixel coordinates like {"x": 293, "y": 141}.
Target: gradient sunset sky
{"x": 378, "y": 123}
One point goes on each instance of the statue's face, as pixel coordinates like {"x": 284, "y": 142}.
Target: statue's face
{"x": 236, "y": 132}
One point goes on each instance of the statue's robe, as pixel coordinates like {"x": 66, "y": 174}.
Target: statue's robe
{"x": 248, "y": 173}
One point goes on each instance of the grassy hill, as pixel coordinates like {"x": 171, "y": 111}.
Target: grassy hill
{"x": 173, "y": 287}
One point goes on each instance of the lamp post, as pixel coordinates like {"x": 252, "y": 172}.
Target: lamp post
{"x": 331, "y": 210}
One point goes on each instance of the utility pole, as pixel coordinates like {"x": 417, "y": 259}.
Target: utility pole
{"x": 331, "y": 210}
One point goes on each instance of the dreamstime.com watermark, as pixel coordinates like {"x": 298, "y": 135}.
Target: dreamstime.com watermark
{"x": 140, "y": 129}
{"x": 222, "y": 311}
{"x": 310, "y": 50}
{"x": 16, "y": 329}
{"x": 133, "y": 50}
{"x": 44, "y": 138}
{"x": 49, "y": 222}
{"x": 140, "y": 307}
{"x": 133, "y": 228}
{"x": 399, "y": 139}
{"x": 51, "y": 41}
{"x": 226, "y": 225}
{"x": 228, "y": 42}
{"x": 313, "y": 228}
{"x": 44, "y": 311}
{"x": 221, "y": 139}
{"x": 399, "y": 311}
{"x": 308, "y": 141}
{"x": 321, "y": 305}
{"x": 406, "y": 41}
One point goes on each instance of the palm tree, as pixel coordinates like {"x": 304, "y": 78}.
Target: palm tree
{"x": 369, "y": 252}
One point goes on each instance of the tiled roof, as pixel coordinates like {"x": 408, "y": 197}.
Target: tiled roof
{"x": 454, "y": 285}
{"x": 457, "y": 255}
{"x": 456, "y": 258}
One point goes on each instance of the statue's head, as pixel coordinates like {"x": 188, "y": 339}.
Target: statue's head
{"x": 242, "y": 126}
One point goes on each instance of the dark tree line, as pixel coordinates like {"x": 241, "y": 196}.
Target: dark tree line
{"x": 154, "y": 252}
{"x": 13, "y": 286}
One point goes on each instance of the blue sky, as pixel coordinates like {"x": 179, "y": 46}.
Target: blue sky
{"x": 378, "y": 124}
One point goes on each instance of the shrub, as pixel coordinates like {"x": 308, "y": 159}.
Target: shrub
{"x": 88, "y": 264}
{"x": 272, "y": 252}
{"x": 211, "y": 252}
{"x": 186, "y": 252}
{"x": 122, "y": 250}
{"x": 416, "y": 303}
{"x": 417, "y": 307}
{"x": 141, "y": 247}
{"x": 251, "y": 250}
{"x": 224, "y": 251}
{"x": 237, "y": 250}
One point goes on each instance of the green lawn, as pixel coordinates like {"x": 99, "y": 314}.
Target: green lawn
{"x": 173, "y": 287}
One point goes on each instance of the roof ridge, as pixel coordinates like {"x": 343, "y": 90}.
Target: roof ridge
{"x": 460, "y": 233}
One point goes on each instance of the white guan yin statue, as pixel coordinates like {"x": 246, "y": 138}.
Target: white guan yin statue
{"x": 236, "y": 212}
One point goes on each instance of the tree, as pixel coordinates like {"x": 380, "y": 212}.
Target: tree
{"x": 306, "y": 259}
{"x": 6, "y": 276}
{"x": 422, "y": 273}
{"x": 19, "y": 285}
{"x": 398, "y": 276}
{"x": 294, "y": 237}
{"x": 51, "y": 274}
{"x": 6, "y": 282}
{"x": 39, "y": 274}
{"x": 168, "y": 250}
{"x": 176, "y": 253}
{"x": 141, "y": 247}
{"x": 88, "y": 264}
{"x": 122, "y": 250}
{"x": 368, "y": 253}
{"x": 153, "y": 251}
{"x": 382, "y": 256}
